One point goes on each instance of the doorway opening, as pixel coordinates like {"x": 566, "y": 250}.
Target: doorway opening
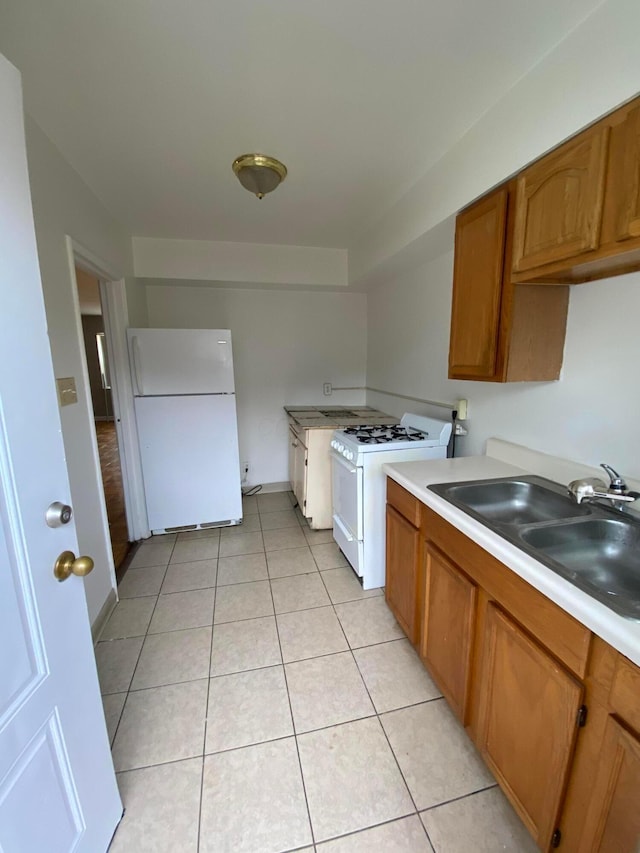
{"x": 97, "y": 359}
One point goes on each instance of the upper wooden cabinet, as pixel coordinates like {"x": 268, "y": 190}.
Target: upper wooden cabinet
{"x": 500, "y": 332}
{"x": 477, "y": 287}
{"x": 559, "y": 202}
{"x": 572, "y": 216}
{"x": 626, "y": 178}
{"x": 578, "y": 207}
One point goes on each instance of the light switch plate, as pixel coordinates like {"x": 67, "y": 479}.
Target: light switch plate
{"x": 67, "y": 393}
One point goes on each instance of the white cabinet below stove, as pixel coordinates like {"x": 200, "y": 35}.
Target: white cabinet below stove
{"x": 310, "y": 473}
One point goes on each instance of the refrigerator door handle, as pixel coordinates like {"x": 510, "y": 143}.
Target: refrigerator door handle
{"x": 138, "y": 375}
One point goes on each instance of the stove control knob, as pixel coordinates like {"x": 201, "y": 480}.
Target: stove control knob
{"x": 350, "y": 455}
{"x": 333, "y": 443}
{"x": 340, "y": 447}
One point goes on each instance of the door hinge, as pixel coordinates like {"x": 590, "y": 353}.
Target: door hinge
{"x": 305, "y": 504}
{"x": 556, "y": 838}
{"x": 582, "y": 716}
{"x": 306, "y": 462}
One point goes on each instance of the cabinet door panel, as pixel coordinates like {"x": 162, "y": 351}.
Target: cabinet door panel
{"x": 559, "y": 202}
{"x": 293, "y": 443}
{"x": 528, "y": 708}
{"x": 477, "y": 288}
{"x": 403, "y": 566}
{"x": 447, "y": 635}
{"x": 628, "y": 183}
{"x": 300, "y": 484}
{"x": 613, "y": 819}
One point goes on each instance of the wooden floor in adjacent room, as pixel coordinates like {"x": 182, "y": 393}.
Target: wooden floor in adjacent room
{"x": 113, "y": 490}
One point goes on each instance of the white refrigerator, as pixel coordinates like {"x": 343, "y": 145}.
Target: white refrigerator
{"x": 185, "y": 408}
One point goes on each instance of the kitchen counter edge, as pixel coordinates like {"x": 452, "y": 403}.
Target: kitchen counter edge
{"x": 623, "y": 634}
{"x": 369, "y": 417}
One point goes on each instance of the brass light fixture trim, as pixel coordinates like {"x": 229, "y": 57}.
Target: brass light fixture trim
{"x": 258, "y": 173}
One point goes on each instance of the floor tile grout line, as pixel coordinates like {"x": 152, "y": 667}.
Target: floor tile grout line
{"x": 293, "y": 726}
{"x": 375, "y": 714}
{"x": 337, "y": 615}
{"x": 176, "y": 591}
{"x": 206, "y": 706}
{"x": 165, "y": 683}
{"x": 457, "y": 799}
{"x": 374, "y": 826}
{"x": 160, "y": 764}
{"x": 378, "y": 715}
{"x": 124, "y": 704}
{"x": 252, "y": 618}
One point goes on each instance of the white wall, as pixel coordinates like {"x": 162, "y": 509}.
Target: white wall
{"x": 592, "y": 414}
{"x": 595, "y": 68}
{"x": 286, "y": 344}
{"x": 136, "y": 303}
{"x": 62, "y": 206}
{"x": 216, "y": 261}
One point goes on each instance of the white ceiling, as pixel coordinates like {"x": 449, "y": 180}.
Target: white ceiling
{"x": 151, "y": 100}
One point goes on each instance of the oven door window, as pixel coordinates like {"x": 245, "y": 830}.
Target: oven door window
{"x": 347, "y": 495}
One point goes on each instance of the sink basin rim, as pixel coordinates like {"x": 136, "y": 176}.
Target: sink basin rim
{"x": 628, "y": 608}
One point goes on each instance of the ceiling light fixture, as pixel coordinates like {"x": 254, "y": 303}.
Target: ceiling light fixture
{"x": 259, "y": 174}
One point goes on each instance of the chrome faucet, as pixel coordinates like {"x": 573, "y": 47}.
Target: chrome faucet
{"x": 593, "y": 489}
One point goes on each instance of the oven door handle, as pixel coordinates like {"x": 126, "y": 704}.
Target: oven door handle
{"x": 341, "y": 461}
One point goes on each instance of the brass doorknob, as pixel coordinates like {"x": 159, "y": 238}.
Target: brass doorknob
{"x": 68, "y": 564}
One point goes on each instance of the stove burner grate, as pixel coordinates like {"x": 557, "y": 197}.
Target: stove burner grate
{"x": 383, "y": 434}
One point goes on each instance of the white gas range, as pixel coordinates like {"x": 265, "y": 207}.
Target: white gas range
{"x": 359, "y": 494}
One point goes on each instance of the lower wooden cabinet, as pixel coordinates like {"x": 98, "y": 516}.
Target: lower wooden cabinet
{"x": 612, "y": 822}
{"x": 403, "y": 571}
{"x": 310, "y": 474}
{"x": 524, "y": 677}
{"x": 448, "y": 629}
{"x": 528, "y": 721}
{"x": 297, "y": 465}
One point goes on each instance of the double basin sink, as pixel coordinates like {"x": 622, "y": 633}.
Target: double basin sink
{"x": 595, "y": 548}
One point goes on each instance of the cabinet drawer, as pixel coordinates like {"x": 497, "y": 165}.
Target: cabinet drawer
{"x": 563, "y": 635}
{"x": 404, "y": 502}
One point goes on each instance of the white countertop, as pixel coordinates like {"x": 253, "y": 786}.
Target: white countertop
{"x": 623, "y": 634}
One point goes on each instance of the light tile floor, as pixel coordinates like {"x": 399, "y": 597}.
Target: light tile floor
{"x": 258, "y": 699}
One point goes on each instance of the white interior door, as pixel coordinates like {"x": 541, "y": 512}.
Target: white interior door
{"x": 57, "y": 786}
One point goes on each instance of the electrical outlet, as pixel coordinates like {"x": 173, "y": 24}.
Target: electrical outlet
{"x": 463, "y": 409}
{"x": 327, "y": 390}
{"x": 245, "y": 470}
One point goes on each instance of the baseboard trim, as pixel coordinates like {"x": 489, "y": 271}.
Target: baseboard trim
{"x": 102, "y": 618}
{"x": 271, "y": 487}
